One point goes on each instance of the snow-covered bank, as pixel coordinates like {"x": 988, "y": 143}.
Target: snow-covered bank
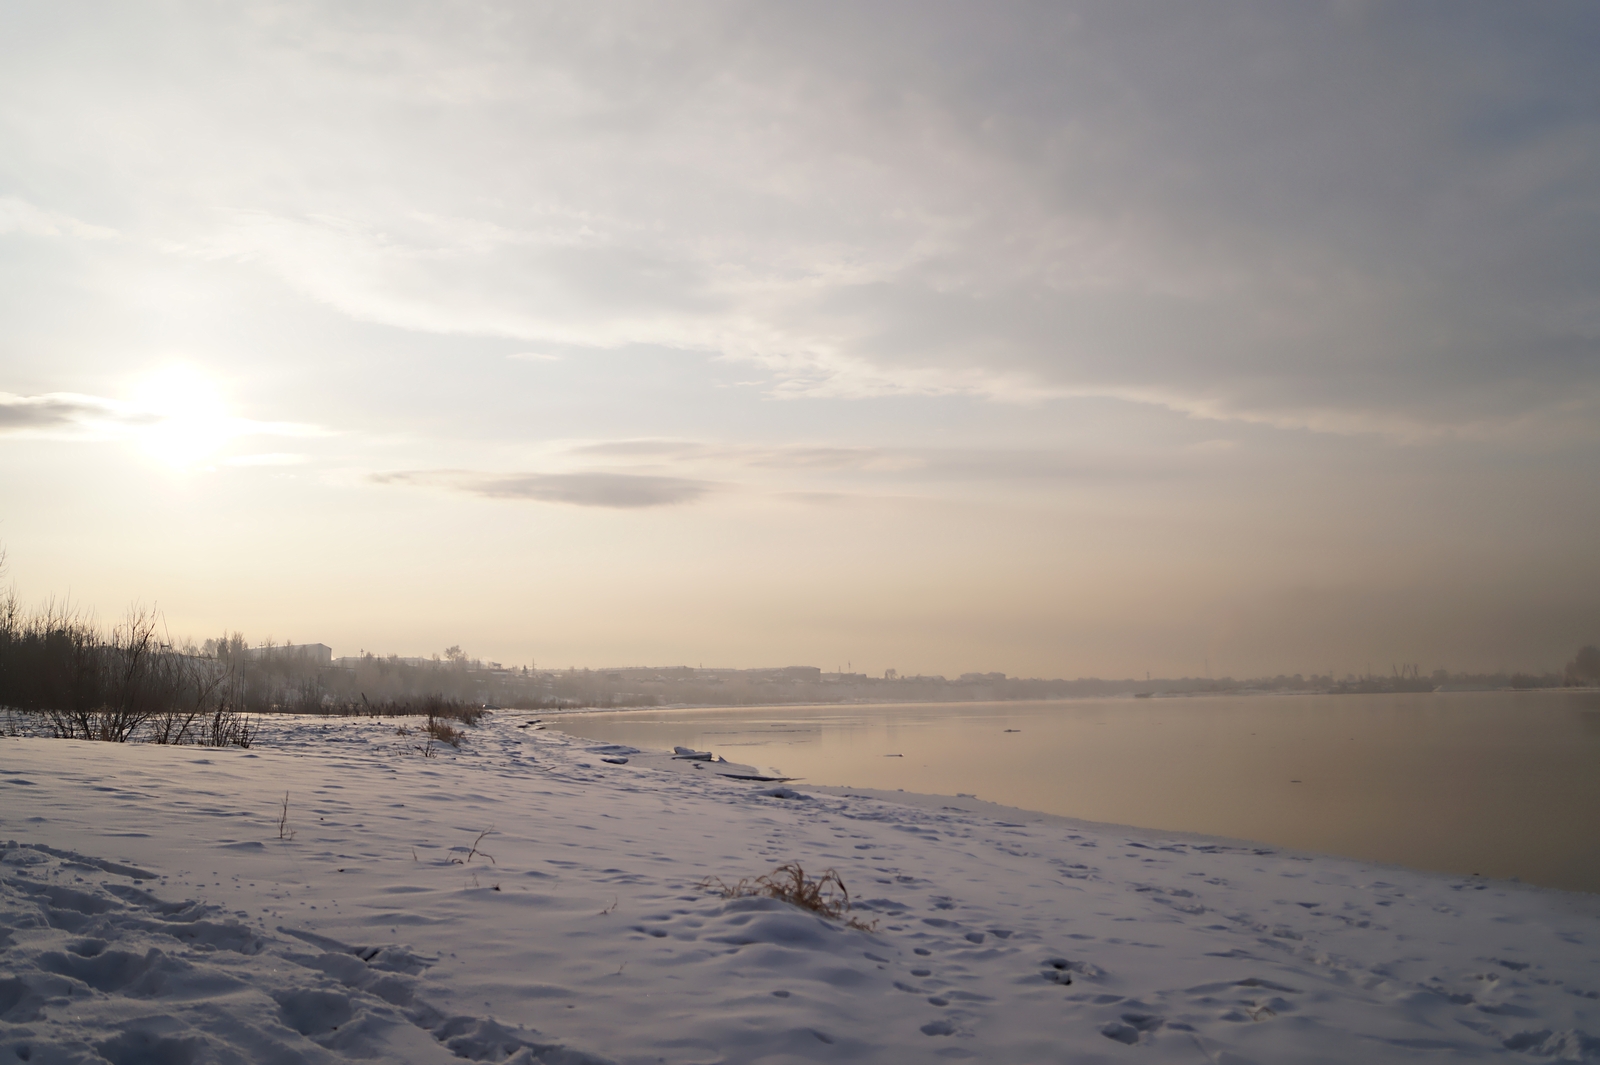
{"x": 577, "y": 930}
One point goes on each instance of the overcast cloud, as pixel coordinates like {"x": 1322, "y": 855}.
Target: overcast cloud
{"x": 1346, "y": 216}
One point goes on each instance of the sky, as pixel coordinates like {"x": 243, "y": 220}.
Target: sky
{"x": 1059, "y": 339}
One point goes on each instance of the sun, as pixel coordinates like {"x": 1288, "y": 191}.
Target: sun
{"x": 184, "y": 420}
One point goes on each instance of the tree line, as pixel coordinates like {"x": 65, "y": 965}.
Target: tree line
{"x": 88, "y": 683}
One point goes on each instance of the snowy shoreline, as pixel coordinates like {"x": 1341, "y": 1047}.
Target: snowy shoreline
{"x": 377, "y": 932}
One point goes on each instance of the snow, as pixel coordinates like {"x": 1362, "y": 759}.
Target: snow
{"x": 536, "y": 897}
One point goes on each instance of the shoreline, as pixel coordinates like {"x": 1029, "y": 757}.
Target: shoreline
{"x": 1583, "y": 902}
{"x": 1123, "y": 697}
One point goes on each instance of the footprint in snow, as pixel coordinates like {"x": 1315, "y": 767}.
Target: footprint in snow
{"x": 1057, "y": 971}
{"x": 134, "y": 966}
{"x": 1131, "y": 1026}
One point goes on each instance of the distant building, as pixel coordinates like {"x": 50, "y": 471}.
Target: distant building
{"x": 319, "y": 653}
{"x": 352, "y": 661}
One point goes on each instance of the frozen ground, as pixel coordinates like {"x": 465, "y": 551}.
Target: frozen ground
{"x": 149, "y": 912}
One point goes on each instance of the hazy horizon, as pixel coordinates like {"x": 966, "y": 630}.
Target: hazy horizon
{"x": 1065, "y": 341}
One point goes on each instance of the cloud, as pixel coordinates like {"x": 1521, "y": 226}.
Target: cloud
{"x": 624, "y": 491}
{"x": 75, "y": 416}
{"x": 874, "y": 468}
{"x": 57, "y": 411}
{"x": 1365, "y": 218}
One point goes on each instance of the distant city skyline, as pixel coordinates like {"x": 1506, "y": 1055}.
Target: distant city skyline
{"x": 1060, "y": 340}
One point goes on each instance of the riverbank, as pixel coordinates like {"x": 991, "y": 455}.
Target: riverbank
{"x": 536, "y": 897}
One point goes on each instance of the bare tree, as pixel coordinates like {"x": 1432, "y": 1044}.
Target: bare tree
{"x": 1585, "y": 667}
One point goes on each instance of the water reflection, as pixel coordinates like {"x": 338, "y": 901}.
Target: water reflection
{"x": 1496, "y": 783}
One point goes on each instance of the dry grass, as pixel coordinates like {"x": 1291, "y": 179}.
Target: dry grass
{"x": 284, "y": 831}
{"x": 443, "y": 731}
{"x": 825, "y": 894}
{"x": 474, "y": 852}
{"x": 431, "y": 706}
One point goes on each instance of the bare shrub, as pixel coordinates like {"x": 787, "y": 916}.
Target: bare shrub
{"x": 89, "y": 687}
{"x": 467, "y": 715}
{"x": 143, "y": 679}
{"x": 71, "y": 678}
{"x": 825, "y": 894}
{"x": 172, "y": 726}
{"x": 80, "y": 681}
{"x": 431, "y": 706}
{"x": 441, "y": 711}
{"x": 206, "y": 705}
{"x": 56, "y": 666}
{"x": 229, "y": 729}
{"x": 130, "y": 683}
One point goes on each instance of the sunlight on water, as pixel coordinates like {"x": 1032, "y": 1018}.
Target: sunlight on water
{"x": 1500, "y": 784}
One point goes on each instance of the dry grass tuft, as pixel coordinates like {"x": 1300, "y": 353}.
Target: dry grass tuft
{"x": 284, "y": 831}
{"x": 443, "y": 731}
{"x": 825, "y": 894}
{"x": 474, "y": 852}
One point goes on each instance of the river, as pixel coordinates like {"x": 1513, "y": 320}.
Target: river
{"x": 1497, "y": 784}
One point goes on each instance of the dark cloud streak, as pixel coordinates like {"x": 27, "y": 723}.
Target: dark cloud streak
{"x": 37, "y": 412}
{"x": 910, "y": 464}
{"x": 57, "y": 410}
{"x": 621, "y": 491}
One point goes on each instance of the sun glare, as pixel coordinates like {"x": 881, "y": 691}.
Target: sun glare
{"x": 186, "y": 419}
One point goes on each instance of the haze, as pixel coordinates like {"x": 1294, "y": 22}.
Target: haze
{"x": 1057, "y": 339}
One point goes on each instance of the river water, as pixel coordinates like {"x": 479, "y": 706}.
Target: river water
{"x": 1497, "y": 784}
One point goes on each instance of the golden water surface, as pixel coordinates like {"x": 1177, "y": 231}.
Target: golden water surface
{"x": 1498, "y": 784}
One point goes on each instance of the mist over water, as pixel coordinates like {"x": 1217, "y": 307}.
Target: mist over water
{"x": 1499, "y": 784}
